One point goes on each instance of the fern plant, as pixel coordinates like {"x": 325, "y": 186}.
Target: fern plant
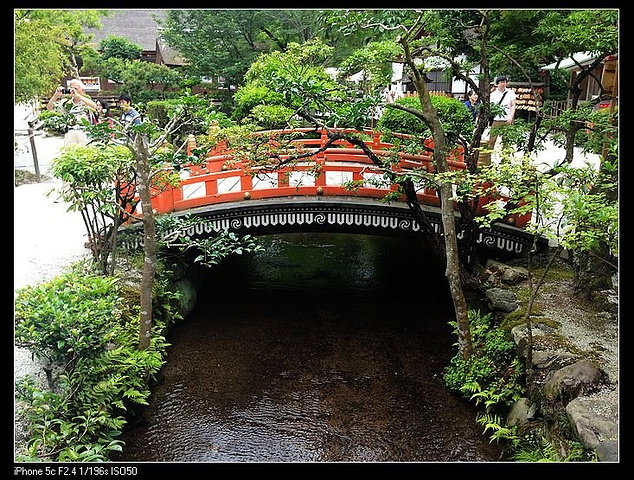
{"x": 82, "y": 325}
{"x": 492, "y": 374}
{"x": 495, "y": 423}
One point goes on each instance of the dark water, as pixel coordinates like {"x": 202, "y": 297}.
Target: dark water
{"x": 322, "y": 349}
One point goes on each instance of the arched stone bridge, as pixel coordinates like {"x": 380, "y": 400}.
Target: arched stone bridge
{"x": 337, "y": 190}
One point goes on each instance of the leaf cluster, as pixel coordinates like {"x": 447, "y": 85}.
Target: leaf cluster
{"x": 295, "y": 79}
{"x": 179, "y": 232}
{"x": 453, "y": 114}
{"x": 84, "y": 325}
{"x": 492, "y": 374}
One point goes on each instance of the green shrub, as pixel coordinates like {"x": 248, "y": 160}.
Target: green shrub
{"x": 250, "y": 96}
{"x": 82, "y": 324}
{"x": 72, "y": 317}
{"x": 453, "y": 114}
{"x": 271, "y": 117}
{"x": 55, "y": 122}
{"x": 492, "y": 374}
{"x": 199, "y": 113}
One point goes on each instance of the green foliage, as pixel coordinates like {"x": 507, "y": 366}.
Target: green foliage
{"x": 590, "y": 206}
{"x": 374, "y": 61}
{"x": 197, "y": 114}
{"x": 83, "y": 325}
{"x": 65, "y": 319}
{"x": 491, "y": 375}
{"x": 46, "y": 41}
{"x": 60, "y": 120}
{"x": 357, "y": 111}
{"x": 453, "y": 114}
{"x": 177, "y": 232}
{"x": 530, "y": 445}
{"x": 55, "y": 122}
{"x": 95, "y": 185}
{"x": 535, "y": 449}
{"x": 270, "y": 117}
{"x": 226, "y": 41}
{"x": 295, "y": 79}
{"x": 90, "y": 167}
{"x": 250, "y": 96}
{"x": 395, "y": 120}
{"x": 144, "y": 81}
{"x": 498, "y": 432}
{"x": 601, "y": 132}
{"x": 119, "y": 47}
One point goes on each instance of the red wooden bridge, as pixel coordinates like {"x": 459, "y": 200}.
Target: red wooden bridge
{"x": 335, "y": 189}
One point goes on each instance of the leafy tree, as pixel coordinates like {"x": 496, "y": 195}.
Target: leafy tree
{"x": 144, "y": 81}
{"x": 561, "y": 35}
{"x": 119, "y": 47}
{"x": 370, "y": 62}
{"x": 48, "y": 44}
{"x": 317, "y": 102}
{"x": 225, "y": 42}
{"x": 97, "y": 184}
{"x": 277, "y": 78}
{"x": 153, "y": 165}
{"x": 453, "y": 113}
{"x": 83, "y": 325}
{"x": 478, "y": 42}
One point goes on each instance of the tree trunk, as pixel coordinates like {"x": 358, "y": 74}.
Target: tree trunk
{"x": 141, "y": 154}
{"x": 453, "y": 267}
{"x": 452, "y": 271}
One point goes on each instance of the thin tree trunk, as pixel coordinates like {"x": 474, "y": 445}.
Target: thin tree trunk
{"x": 452, "y": 269}
{"x": 141, "y": 153}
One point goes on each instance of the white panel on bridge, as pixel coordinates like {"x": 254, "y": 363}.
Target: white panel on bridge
{"x": 229, "y": 184}
{"x": 265, "y": 180}
{"x": 194, "y": 190}
{"x": 301, "y": 179}
{"x": 338, "y": 178}
{"x": 375, "y": 180}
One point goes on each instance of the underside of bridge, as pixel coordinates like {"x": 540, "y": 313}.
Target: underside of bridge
{"x": 351, "y": 215}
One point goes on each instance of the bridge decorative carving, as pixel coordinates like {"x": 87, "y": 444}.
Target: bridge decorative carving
{"x": 230, "y": 195}
{"x": 361, "y": 216}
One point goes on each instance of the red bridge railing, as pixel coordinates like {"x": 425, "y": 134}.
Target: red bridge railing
{"x": 224, "y": 178}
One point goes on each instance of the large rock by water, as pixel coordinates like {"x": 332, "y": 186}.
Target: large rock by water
{"x": 595, "y": 422}
{"x": 573, "y": 380}
{"x": 501, "y": 300}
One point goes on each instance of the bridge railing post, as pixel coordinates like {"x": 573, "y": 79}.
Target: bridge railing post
{"x": 191, "y": 144}
{"x": 163, "y": 202}
{"x": 324, "y": 138}
{"x": 376, "y": 140}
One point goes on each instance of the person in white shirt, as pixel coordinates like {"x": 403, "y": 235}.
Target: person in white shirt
{"x": 78, "y": 105}
{"x": 505, "y": 97}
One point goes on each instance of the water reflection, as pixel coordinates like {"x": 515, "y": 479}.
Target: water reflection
{"x": 278, "y": 371}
